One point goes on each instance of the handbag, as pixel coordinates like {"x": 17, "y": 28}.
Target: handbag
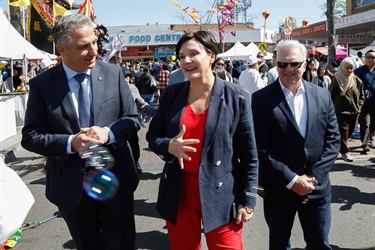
{"x": 153, "y": 84}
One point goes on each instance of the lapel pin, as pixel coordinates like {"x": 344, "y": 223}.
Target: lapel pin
{"x": 99, "y": 78}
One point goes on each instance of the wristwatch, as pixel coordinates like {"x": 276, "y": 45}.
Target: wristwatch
{"x": 249, "y": 210}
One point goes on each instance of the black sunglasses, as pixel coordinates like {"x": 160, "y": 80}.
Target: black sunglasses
{"x": 370, "y": 57}
{"x": 283, "y": 65}
{"x": 220, "y": 64}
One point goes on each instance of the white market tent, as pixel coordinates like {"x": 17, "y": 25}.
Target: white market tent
{"x": 253, "y": 49}
{"x": 13, "y": 45}
{"x": 238, "y": 52}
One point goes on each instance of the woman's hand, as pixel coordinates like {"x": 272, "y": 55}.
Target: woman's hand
{"x": 178, "y": 146}
{"x": 244, "y": 214}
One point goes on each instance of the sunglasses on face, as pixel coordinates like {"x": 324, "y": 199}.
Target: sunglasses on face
{"x": 370, "y": 57}
{"x": 283, "y": 65}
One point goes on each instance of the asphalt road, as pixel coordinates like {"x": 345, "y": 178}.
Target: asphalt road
{"x": 353, "y": 207}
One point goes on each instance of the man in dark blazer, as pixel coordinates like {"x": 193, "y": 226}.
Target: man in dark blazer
{"x": 298, "y": 142}
{"x": 53, "y": 128}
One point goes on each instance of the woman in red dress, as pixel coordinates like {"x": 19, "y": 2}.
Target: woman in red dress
{"x": 203, "y": 129}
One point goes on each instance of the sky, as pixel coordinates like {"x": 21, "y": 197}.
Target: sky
{"x": 141, "y": 12}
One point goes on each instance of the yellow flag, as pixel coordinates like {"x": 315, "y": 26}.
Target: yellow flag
{"x": 59, "y": 10}
{"x": 20, "y": 3}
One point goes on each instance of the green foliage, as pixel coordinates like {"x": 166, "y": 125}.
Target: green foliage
{"x": 339, "y": 10}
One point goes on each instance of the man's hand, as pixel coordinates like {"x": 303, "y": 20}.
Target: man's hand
{"x": 304, "y": 185}
{"x": 89, "y": 136}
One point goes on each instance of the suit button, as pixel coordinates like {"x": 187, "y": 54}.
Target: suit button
{"x": 218, "y": 163}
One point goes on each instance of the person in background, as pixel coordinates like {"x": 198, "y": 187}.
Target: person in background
{"x": 17, "y": 72}
{"x": 322, "y": 79}
{"x": 333, "y": 69}
{"x": 272, "y": 73}
{"x": 59, "y": 124}
{"x": 298, "y": 141}
{"x": 176, "y": 76}
{"x": 209, "y": 178}
{"x": 237, "y": 69}
{"x": 155, "y": 68}
{"x": 144, "y": 108}
{"x": 220, "y": 63}
{"x": 219, "y": 72}
{"x": 367, "y": 117}
{"x": 310, "y": 71}
{"x": 347, "y": 94}
{"x": 263, "y": 67}
{"x": 46, "y": 64}
{"x": 250, "y": 79}
{"x": 163, "y": 78}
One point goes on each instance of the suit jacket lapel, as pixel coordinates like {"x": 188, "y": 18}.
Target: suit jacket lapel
{"x": 97, "y": 87}
{"x": 213, "y": 116}
{"x": 279, "y": 97}
{"x": 311, "y": 107}
{"x": 61, "y": 87}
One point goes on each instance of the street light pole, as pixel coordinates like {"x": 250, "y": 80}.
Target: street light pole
{"x": 265, "y": 14}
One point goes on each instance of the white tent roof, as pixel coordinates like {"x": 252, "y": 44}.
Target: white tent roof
{"x": 253, "y": 49}
{"x": 13, "y": 45}
{"x": 238, "y": 51}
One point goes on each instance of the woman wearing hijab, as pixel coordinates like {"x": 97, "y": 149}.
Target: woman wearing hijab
{"x": 347, "y": 94}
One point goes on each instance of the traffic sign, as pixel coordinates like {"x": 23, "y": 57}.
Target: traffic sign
{"x": 262, "y": 46}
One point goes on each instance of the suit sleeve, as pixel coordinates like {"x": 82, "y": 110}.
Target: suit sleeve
{"x": 128, "y": 123}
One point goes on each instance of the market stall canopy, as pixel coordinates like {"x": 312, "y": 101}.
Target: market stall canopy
{"x": 238, "y": 51}
{"x": 13, "y": 45}
{"x": 253, "y": 49}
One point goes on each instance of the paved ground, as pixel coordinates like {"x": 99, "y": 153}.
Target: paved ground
{"x": 353, "y": 205}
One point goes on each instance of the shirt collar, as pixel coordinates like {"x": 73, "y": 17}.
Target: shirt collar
{"x": 71, "y": 73}
{"x": 286, "y": 90}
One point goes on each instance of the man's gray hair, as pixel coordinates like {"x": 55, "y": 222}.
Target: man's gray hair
{"x": 66, "y": 25}
{"x": 291, "y": 44}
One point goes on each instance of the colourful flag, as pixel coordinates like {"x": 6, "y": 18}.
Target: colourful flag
{"x": 40, "y": 23}
{"x": 87, "y": 9}
{"x": 20, "y": 3}
{"x": 112, "y": 48}
{"x": 59, "y": 10}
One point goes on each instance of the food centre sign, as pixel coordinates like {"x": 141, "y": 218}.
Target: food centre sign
{"x": 154, "y": 39}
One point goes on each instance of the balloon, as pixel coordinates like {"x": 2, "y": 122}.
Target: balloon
{"x": 173, "y": 58}
{"x": 5, "y": 74}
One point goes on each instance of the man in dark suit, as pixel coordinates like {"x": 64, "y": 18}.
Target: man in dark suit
{"x": 56, "y": 127}
{"x": 298, "y": 142}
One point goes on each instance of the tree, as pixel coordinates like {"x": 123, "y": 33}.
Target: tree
{"x": 339, "y": 9}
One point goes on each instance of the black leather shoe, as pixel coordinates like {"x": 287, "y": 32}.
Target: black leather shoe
{"x": 139, "y": 169}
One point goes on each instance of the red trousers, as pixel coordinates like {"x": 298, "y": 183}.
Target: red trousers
{"x": 186, "y": 235}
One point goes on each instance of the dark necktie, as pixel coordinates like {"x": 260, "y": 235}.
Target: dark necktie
{"x": 84, "y": 109}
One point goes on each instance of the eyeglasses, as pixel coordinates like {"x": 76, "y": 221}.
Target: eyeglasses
{"x": 220, "y": 64}
{"x": 370, "y": 57}
{"x": 283, "y": 65}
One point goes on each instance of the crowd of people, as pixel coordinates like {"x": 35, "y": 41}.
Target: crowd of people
{"x": 227, "y": 132}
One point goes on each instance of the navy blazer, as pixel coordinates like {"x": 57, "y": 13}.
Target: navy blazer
{"x": 51, "y": 118}
{"x": 283, "y": 152}
{"x": 228, "y": 164}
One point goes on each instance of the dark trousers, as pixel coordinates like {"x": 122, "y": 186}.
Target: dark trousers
{"x": 98, "y": 225}
{"x": 347, "y": 125}
{"x": 367, "y": 122}
{"x": 314, "y": 215}
{"x": 134, "y": 145}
